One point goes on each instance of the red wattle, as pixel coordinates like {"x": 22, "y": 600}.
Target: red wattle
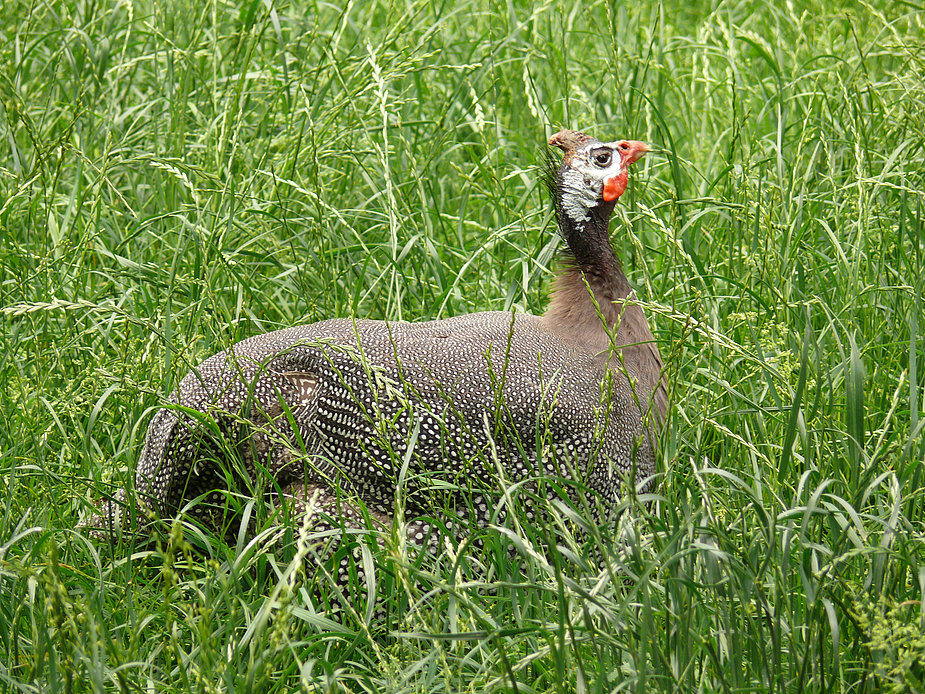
{"x": 614, "y": 187}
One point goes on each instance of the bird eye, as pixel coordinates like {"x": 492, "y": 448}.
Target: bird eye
{"x": 624, "y": 146}
{"x": 602, "y": 158}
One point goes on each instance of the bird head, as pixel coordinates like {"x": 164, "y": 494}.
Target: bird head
{"x": 592, "y": 171}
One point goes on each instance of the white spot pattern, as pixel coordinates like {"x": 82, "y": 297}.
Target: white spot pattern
{"x": 346, "y": 403}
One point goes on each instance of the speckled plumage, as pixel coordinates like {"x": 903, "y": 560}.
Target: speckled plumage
{"x": 443, "y": 413}
{"x": 471, "y": 389}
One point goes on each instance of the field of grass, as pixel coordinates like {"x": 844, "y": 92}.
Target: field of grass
{"x": 175, "y": 177}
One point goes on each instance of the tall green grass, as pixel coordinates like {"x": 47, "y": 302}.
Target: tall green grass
{"x": 176, "y": 177}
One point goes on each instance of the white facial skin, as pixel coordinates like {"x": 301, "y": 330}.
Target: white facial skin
{"x": 593, "y": 166}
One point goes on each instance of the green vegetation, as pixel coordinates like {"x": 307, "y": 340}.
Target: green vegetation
{"x": 176, "y": 177}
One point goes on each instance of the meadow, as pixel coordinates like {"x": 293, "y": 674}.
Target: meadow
{"x": 175, "y": 177}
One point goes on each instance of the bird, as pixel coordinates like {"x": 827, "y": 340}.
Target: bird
{"x": 338, "y": 419}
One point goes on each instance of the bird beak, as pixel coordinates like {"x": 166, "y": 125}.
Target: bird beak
{"x": 636, "y": 151}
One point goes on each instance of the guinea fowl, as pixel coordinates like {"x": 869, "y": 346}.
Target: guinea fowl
{"x": 440, "y": 412}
